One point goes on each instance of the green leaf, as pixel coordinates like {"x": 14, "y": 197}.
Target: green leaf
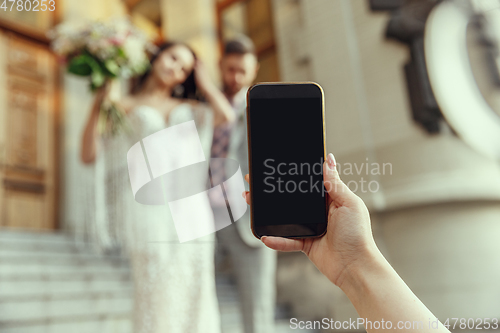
{"x": 80, "y": 65}
{"x": 112, "y": 67}
{"x": 121, "y": 53}
{"x": 97, "y": 79}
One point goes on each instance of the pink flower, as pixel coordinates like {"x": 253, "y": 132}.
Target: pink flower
{"x": 116, "y": 41}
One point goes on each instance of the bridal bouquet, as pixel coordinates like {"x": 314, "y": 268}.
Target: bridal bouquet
{"x": 103, "y": 51}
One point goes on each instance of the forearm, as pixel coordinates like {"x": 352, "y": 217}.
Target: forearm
{"x": 223, "y": 112}
{"x": 378, "y": 293}
{"x": 89, "y": 140}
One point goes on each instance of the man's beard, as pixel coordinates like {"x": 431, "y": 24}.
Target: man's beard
{"x": 230, "y": 91}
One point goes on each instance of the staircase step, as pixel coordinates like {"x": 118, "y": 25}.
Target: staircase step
{"x": 10, "y": 288}
{"x": 86, "y": 276}
{"x": 34, "y": 236}
{"x": 15, "y": 264}
{"x": 66, "y": 296}
{"x": 39, "y": 268}
{"x": 41, "y": 309}
{"x": 22, "y": 252}
{"x": 29, "y": 246}
{"x": 43, "y": 242}
{"x": 109, "y": 323}
{"x": 88, "y": 260}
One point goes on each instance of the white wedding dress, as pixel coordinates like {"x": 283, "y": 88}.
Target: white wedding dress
{"x": 174, "y": 282}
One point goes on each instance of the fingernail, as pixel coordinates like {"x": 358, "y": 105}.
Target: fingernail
{"x": 330, "y": 159}
{"x": 262, "y": 239}
{"x": 243, "y": 195}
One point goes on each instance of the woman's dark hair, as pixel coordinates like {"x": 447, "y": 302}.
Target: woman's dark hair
{"x": 187, "y": 89}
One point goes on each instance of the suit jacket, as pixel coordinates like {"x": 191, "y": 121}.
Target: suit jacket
{"x": 238, "y": 150}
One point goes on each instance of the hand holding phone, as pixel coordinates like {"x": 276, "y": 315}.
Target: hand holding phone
{"x": 348, "y": 238}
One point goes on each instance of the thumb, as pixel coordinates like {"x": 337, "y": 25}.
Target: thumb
{"x": 339, "y": 192}
{"x": 283, "y": 244}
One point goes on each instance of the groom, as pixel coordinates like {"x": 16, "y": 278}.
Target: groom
{"x": 253, "y": 263}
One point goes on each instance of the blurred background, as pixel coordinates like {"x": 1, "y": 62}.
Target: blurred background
{"x": 414, "y": 84}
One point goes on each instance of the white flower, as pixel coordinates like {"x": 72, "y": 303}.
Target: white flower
{"x": 134, "y": 49}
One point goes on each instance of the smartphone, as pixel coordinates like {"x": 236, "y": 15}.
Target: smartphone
{"x": 286, "y": 151}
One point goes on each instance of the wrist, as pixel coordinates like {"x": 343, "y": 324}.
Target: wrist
{"x": 370, "y": 267}
{"x": 96, "y": 112}
{"x": 209, "y": 90}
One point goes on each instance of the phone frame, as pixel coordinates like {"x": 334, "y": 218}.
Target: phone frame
{"x": 293, "y": 90}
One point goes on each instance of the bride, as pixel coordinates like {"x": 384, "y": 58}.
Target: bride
{"x": 174, "y": 283}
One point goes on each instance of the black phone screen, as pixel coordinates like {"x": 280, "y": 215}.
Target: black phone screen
{"x": 287, "y": 151}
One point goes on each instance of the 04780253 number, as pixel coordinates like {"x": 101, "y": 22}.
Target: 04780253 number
{"x": 28, "y": 5}
{"x": 472, "y": 323}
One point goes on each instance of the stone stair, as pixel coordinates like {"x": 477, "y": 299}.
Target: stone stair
{"x": 50, "y": 284}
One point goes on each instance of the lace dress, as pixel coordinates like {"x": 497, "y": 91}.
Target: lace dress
{"x": 174, "y": 282}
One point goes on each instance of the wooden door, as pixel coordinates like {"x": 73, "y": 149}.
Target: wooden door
{"x": 28, "y": 154}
